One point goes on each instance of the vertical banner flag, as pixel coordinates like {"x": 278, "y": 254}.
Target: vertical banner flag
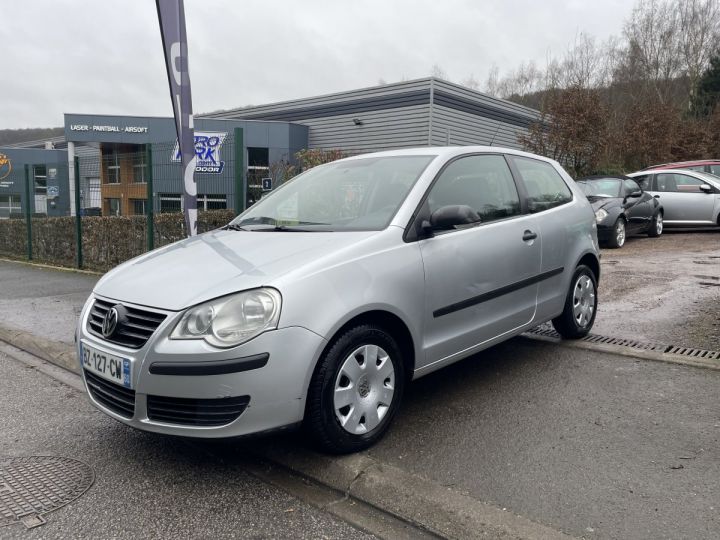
{"x": 171, "y": 14}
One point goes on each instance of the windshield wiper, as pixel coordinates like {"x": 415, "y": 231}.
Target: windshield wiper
{"x": 233, "y": 227}
{"x": 290, "y": 228}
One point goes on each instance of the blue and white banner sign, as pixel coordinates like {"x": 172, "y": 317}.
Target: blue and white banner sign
{"x": 208, "y": 145}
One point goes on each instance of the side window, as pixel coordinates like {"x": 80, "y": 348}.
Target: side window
{"x": 631, "y": 186}
{"x": 665, "y": 182}
{"x": 687, "y": 184}
{"x": 482, "y": 182}
{"x": 643, "y": 181}
{"x": 546, "y": 188}
{"x": 715, "y": 169}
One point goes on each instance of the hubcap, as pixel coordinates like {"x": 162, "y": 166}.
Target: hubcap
{"x": 659, "y": 223}
{"x": 620, "y": 232}
{"x": 583, "y": 301}
{"x": 364, "y": 389}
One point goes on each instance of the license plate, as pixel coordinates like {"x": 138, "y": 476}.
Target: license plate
{"x": 108, "y": 366}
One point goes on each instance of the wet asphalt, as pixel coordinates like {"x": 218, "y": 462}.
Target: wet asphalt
{"x": 145, "y": 486}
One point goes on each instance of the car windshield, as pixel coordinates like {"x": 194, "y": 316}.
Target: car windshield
{"x": 713, "y": 179}
{"x": 601, "y": 187}
{"x": 358, "y": 194}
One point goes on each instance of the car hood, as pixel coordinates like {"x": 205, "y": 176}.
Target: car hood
{"x": 217, "y": 263}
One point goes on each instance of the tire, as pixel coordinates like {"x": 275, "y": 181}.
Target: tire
{"x": 367, "y": 361}
{"x": 580, "y": 308}
{"x": 619, "y": 232}
{"x": 656, "y": 226}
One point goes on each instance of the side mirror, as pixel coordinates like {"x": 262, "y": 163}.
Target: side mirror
{"x": 635, "y": 194}
{"x": 707, "y": 188}
{"x": 448, "y": 217}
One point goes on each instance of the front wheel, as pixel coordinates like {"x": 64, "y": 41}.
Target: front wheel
{"x": 578, "y": 315}
{"x": 656, "y": 226}
{"x": 355, "y": 390}
{"x": 617, "y": 237}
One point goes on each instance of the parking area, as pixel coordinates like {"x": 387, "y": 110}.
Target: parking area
{"x": 664, "y": 290}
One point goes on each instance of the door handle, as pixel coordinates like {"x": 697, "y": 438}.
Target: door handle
{"x": 529, "y": 235}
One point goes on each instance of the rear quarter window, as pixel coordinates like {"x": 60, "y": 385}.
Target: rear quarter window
{"x": 545, "y": 187}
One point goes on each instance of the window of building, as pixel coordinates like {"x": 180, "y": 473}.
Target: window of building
{"x": 173, "y": 202}
{"x": 258, "y": 168}
{"x": 170, "y": 202}
{"x": 40, "y": 176}
{"x": 139, "y": 206}
{"x": 113, "y": 207}
{"x": 139, "y": 168}
{"x": 111, "y": 162}
{"x": 212, "y": 202}
{"x": 546, "y": 188}
{"x": 9, "y": 204}
{"x": 482, "y": 182}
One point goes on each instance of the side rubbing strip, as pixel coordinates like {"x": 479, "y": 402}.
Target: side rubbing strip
{"x": 507, "y": 289}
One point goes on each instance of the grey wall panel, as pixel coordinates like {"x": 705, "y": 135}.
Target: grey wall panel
{"x": 461, "y": 91}
{"x": 337, "y": 98}
{"x": 469, "y": 129}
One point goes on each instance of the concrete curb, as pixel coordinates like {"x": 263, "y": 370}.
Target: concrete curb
{"x": 60, "y": 354}
{"x": 52, "y": 266}
{"x": 421, "y": 502}
{"x": 425, "y": 504}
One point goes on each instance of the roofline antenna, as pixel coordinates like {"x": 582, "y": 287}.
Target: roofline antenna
{"x": 495, "y": 135}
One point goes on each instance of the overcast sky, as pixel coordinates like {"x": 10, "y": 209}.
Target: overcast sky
{"x": 105, "y": 57}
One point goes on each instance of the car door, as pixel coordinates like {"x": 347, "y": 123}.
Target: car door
{"x": 638, "y": 210}
{"x": 682, "y": 200}
{"x": 478, "y": 279}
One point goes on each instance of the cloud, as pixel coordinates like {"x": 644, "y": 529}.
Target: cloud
{"x": 106, "y": 57}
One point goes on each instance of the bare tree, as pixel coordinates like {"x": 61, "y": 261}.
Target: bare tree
{"x": 653, "y": 37}
{"x": 471, "y": 82}
{"x": 699, "y": 35}
{"x": 438, "y": 72}
{"x": 492, "y": 81}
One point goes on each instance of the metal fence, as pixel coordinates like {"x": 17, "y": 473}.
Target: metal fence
{"x": 123, "y": 200}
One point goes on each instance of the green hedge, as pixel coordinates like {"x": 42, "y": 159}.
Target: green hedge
{"x": 107, "y": 241}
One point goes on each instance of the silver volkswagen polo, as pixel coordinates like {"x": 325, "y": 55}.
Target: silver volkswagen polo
{"x": 322, "y": 301}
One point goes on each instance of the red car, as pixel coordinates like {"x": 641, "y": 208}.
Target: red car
{"x": 711, "y": 166}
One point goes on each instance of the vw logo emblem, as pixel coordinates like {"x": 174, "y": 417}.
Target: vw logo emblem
{"x": 110, "y": 322}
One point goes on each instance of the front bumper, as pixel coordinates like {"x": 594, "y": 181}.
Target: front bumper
{"x": 276, "y": 390}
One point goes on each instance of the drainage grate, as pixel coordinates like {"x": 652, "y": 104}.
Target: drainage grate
{"x": 633, "y": 344}
{"x": 35, "y": 485}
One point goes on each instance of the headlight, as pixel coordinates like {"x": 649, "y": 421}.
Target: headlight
{"x": 600, "y": 215}
{"x": 231, "y": 320}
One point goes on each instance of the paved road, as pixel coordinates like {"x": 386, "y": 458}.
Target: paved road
{"x": 585, "y": 442}
{"x": 146, "y": 486}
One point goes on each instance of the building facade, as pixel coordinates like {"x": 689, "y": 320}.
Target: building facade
{"x": 423, "y": 112}
{"x": 119, "y": 158}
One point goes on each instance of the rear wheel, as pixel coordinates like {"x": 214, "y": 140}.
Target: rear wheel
{"x": 617, "y": 237}
{"x": 656, "y": 226}
{"x": 355, "y": 390}
{"x": 578, "y": 315}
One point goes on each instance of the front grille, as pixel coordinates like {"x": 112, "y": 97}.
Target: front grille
{"x": 118, "y": 399}
{"x": 196, "y": 412}
{"x": 133, "y": 333}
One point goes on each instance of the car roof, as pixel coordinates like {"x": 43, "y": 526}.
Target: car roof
{"x": 678, "y": 164}
{"x": 450, "y": 151}
{"x": 602, "y": 176}
{"x": 701, "y": 175}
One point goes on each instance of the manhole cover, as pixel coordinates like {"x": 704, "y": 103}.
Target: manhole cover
{"x": 35, "y": 485}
